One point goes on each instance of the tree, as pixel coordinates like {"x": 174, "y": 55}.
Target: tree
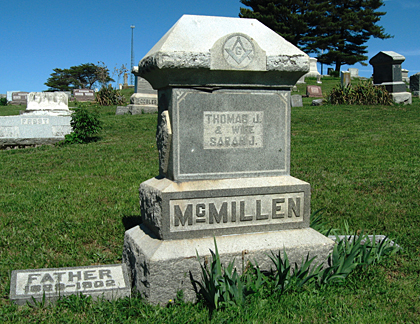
{"x": 335, "y": 30}
{"x": 286, "y": 17}
{"x": 82, "y": 76}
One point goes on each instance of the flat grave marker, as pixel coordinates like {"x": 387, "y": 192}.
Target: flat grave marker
{"x": 314, "y": 91}
{"x": 109, "y": 281}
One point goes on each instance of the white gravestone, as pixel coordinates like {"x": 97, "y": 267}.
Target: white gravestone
{"x": 46, "y": 120}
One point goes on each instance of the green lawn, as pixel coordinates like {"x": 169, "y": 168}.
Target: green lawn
{"x": 70, "y": 206}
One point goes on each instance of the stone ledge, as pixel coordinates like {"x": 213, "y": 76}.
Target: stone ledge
{"x": 159, "y": 268}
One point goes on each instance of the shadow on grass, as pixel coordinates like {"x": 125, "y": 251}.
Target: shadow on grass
{"x": 131, "y": 221}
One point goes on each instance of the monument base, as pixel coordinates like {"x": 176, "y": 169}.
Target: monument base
{"x": 402, "y": 97}
{"x": 136, "y": 110}
{"x": 159, "y": 268}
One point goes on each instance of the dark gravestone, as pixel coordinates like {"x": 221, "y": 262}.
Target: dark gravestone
{"x": 313, "y": 91}
{"x": 84, "y": 94}
{"x": 387, "y": 71}
{"x": 19, "y": 98}
{"x": 415, "y": 84}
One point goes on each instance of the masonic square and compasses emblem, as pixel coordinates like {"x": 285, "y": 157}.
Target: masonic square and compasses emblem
{"x": 238, "y": 51}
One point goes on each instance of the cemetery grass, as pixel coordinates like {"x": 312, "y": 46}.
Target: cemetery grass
{"x": 69, "y": 206}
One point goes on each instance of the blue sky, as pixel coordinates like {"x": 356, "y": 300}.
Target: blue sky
{"x": 38, "y": 36}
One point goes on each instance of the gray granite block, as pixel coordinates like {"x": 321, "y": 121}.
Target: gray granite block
{"x": 246, "y": 131}
{"x": 107, "y": 281}
{"x": 159, "y": 268}
{"x": 205, "y": 208}
{"x": 296, "y": 101}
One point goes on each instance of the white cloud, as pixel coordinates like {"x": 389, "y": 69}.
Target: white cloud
{"x": 415, "y": 52}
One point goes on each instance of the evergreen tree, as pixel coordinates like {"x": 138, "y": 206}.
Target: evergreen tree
{"x": 336, "y": 30}
{"x": 77, "y": 77}
{"x": 287, "y": 17}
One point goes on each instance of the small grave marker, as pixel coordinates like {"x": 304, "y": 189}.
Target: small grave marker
{"x": 313, "y": 91}
{"x": 84, "y": 94}
{"x": 19, "y": 98}
{"x": 109, "y": 281}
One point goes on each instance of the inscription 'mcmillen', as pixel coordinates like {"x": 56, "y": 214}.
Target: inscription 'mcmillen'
{"x": 224, "y": 212}
{"x": 239, "y": 129}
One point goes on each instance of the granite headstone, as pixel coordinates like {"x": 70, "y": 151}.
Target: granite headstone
{"x": 223, "y": 139}
{"x": 84, "y": 94}
{"x": 415, "y": 84}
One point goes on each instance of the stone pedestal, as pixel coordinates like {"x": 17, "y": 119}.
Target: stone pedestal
{"x": 223, "y": 138}
{"x": 159, "y": 268}
{"x": 46, "y": 120}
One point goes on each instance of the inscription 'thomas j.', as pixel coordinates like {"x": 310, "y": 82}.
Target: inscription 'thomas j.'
{"x": 239, "y": 129}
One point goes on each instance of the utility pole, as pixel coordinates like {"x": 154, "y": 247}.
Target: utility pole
{"x": 132, "y": 55}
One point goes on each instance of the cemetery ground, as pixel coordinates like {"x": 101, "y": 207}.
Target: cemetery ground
{"x": 64, "y": 206}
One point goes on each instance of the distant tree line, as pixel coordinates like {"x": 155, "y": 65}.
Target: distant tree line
{"x": 335, "y": 30}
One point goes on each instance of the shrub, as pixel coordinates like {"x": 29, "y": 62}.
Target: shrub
{"x": 3, "y": 101}
{"x": 364, "y": 93}
{"x": 85, "y": 124}
{"x": 108, "y": 97}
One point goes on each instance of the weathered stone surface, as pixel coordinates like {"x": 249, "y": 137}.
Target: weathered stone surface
{"x": 48, "y": 103}
{"x": 313, "y": 68}
{"x": 313, "y": 91}
{"x": 345, "y": 78}
{"x": 317, "y": 102}
{"x": 402, "y": 97}
{"x": 160, "y": 268}
{"x": 194, "y": 209}
{"x": 84, "y": 94}
{"x": 33, "y": 129}
{"x": 415, "y": 84}
{"x": 184, "y": 54}
{"x": 233, "y": 127}
{"x": 296, "y": 101}
{"x": 19, "y": 98}
{"x": 108, "y": 281}
{"x": 354, "y": 72}
{"x": 387, "y": 71}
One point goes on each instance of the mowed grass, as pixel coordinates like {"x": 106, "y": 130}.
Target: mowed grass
{"x": 70, "y": 206}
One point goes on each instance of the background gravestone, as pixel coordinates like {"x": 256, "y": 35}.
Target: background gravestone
{"x": 46, "y": 120}
{"x": 84, "y": 94}
{"x": 345, "y": 78}
{"x": 387, "y": 73}
{"x": 313, "y": 68}
{"x": 19, "y": 98}
{"x": 354, "y": 72}
{"x": 223, "y": 138}
{"x": 415, "y": 84}
{"x": 313, "y": 91}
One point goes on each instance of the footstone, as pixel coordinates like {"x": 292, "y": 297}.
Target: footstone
{"x": 160, "y": 268}
{"x": 296, "y": 101}
{"x": 223, "y": 137}
{"x": 317, "y": 102}
{"x": 402, "y": 97}
{"x": 107, "y": 281}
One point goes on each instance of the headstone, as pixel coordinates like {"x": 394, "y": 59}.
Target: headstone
{"x": 107, "y": 281}
{"x": 46, "y": 120}
{"x": 313, "y": 68}
{"x": 9, "y": 94}
{"x": 387, "y": 73}
{"x": 415, "y": 84}
{"x": 19, "y": 98}
{"x": 143, "y": 100}
{"x": 301, "y": 80}
{"x": 223, "y": 138}
{"x": 84, "y": 94}
{"x": 404, "y": 75}
{"x": 345, "y": 78}
{"x": 313, "y": 91}
{"x": 125, "y": 84}
{"x": 354, "y": 73}
{"x": 296, "y": 101}
{"x": 318, "y": 79}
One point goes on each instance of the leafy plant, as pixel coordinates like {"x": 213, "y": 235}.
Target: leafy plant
{"x": 364, "y": 93}
{"x": 220, "y": 286}
{"x": 3, "y": 101}
{"x": 108, "y": 96}
{"x": 85, "y": 124}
